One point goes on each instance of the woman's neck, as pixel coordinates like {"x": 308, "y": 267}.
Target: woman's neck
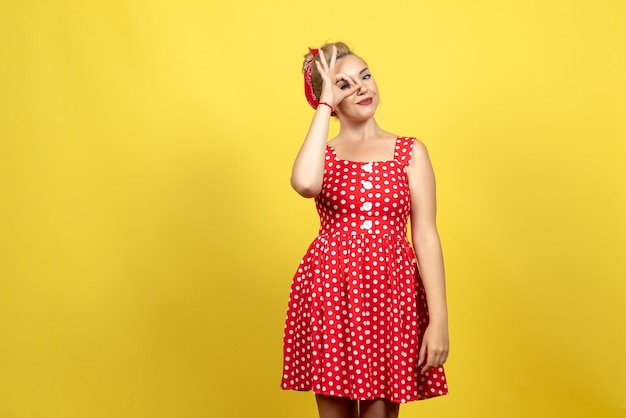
{"x": 360, "y": 130}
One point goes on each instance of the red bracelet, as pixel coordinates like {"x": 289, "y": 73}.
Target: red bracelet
{"x": 332, "y": 109}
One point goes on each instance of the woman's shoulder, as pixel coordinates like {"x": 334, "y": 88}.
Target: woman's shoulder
{"x": 414, "y": 142}
{"x": 419, "y": 153}
{"x": 414, "y": 149}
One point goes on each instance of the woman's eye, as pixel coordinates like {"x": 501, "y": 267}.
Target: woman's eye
{"x": 344, "y": 86}
{"x": 367, "y": 76}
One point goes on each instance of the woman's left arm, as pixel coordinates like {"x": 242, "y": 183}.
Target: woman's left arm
{"x": 435, "y": 343}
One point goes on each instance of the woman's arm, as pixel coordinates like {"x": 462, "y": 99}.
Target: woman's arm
{"x": 435, "y": 344}
{"x": 308, "y": 169}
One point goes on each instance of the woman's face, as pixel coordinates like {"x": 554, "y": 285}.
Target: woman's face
{"x": 361, "y": 104}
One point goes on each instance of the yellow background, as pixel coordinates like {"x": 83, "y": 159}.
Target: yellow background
{"x": 149, "y": 233}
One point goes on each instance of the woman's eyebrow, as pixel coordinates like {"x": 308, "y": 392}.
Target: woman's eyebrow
{"x": 363, "y": 70}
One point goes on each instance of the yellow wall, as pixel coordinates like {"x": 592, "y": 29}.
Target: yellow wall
{"x": 149, "y": 233}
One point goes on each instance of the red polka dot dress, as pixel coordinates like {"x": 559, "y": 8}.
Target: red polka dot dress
{"x": 357, "y": 309}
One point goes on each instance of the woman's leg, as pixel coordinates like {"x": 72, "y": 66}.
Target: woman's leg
{"x": 379, "y": 408}
{"x": 335, "y": 407}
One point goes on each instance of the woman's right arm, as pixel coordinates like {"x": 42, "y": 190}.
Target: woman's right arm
{"x": 308, "y": 169}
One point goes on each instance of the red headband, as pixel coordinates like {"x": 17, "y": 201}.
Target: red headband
{"x": 308, "y": 80}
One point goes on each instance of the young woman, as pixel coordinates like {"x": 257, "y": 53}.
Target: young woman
{"x": 366, "y": 329}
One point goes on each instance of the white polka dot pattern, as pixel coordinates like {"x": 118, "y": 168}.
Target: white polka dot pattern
{"x": 357, "y": 308}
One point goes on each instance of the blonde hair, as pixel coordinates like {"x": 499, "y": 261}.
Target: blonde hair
{"x": 316, "y": 78}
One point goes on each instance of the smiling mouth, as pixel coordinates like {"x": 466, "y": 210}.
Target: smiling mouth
{"x": 365, "y": 101}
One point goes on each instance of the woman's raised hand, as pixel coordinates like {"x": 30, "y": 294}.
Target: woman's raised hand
{"x": 331, "y": 92}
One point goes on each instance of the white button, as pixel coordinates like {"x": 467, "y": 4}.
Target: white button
{"x": 367, "y": 185}
{"x": 367, "y": 167}
{"x": 367, "y": 206}
{"x": 367, "y": 224}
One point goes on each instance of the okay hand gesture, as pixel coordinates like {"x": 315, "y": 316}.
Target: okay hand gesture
{"x": 331, "y": 93}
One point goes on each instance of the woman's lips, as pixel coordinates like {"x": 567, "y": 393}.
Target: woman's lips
{"x": 365, "y": 101}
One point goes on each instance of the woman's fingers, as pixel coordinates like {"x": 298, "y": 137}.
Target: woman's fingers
{"x": 323, "y": 73}
{"x": 333, "y": 58}
{"x": 328, "y": 67}
{"x": 431, "y": 357}
{"x": 322, "y": 60}
{"x": 353, "y": 86}
{"x": 344, "y": 77}
{"x": 421, "y": 359}
{"x": 331, "y": 90}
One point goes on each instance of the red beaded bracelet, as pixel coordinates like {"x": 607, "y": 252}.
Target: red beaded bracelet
{"x": 332, "y": 109}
